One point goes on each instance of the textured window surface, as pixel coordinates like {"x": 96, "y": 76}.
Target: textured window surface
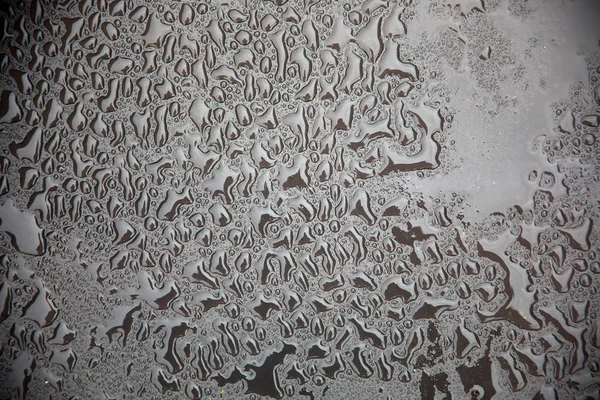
{"x": 299, "y": 199}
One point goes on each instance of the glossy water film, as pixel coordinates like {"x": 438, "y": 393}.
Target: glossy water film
{"x": 299, "y": 199}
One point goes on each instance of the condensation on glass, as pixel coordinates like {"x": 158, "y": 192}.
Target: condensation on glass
{"x": 253, "y": 199}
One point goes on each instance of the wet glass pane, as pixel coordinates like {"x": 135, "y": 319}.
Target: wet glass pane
{"x": 299, "y": 199}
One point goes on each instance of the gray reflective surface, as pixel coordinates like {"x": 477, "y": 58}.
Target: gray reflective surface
{"x": 299, "y": 200}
